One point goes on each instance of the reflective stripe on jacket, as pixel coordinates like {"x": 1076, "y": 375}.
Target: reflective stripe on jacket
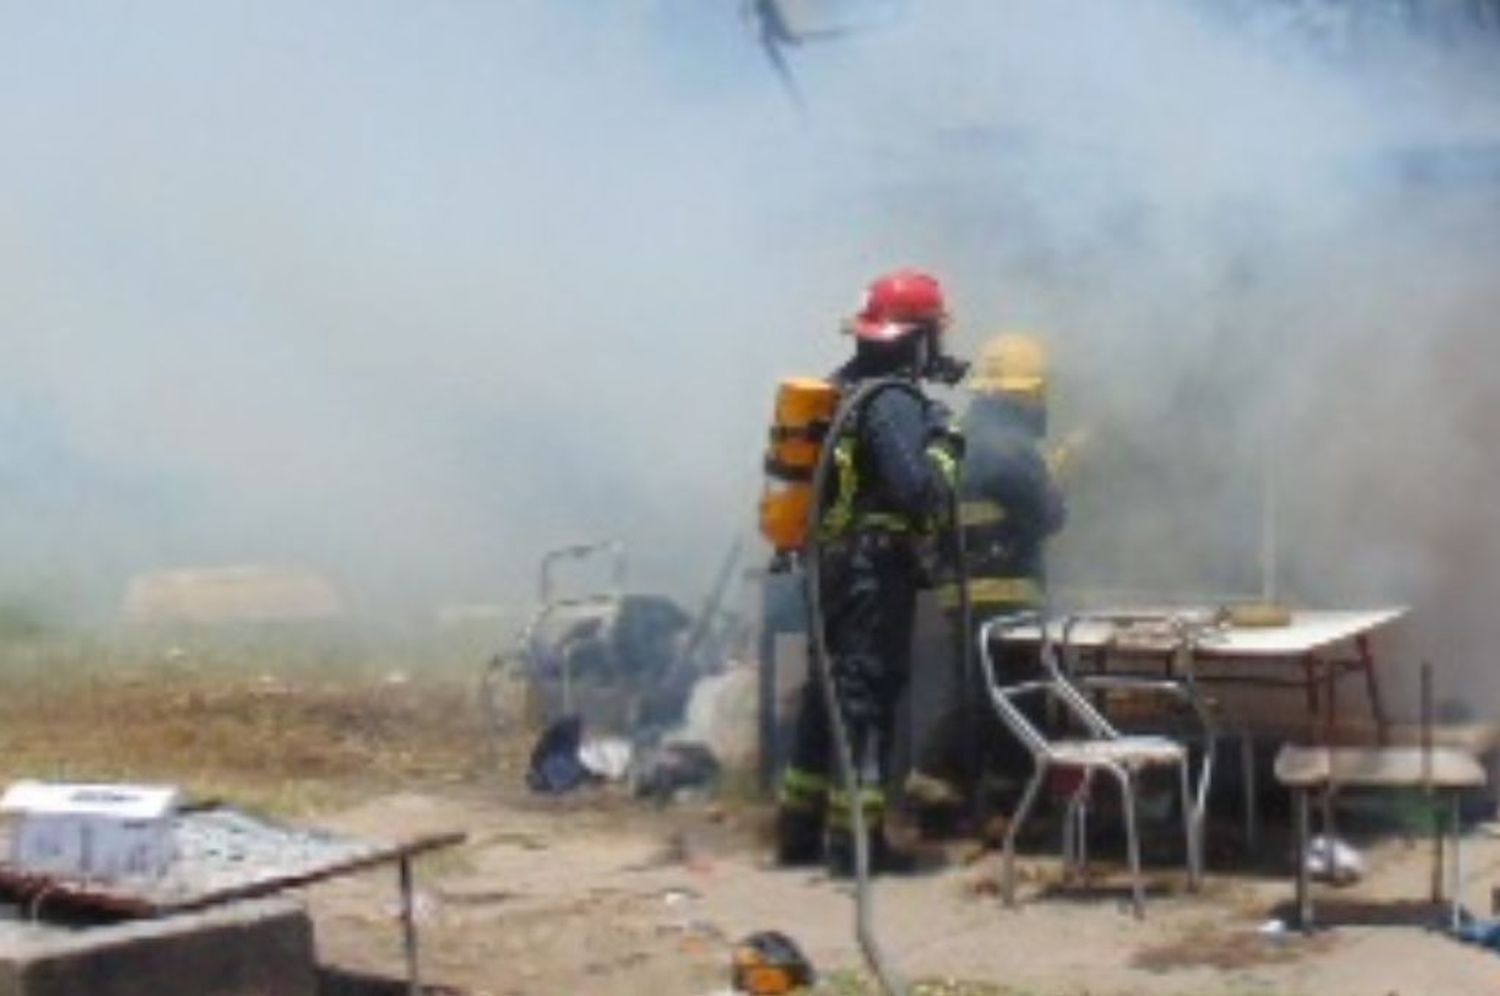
{"x": 888, "y": 476}
{"x": 1017, "y": 591}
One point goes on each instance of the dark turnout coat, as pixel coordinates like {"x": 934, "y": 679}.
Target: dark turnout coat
{"x": 1009, "y": 502}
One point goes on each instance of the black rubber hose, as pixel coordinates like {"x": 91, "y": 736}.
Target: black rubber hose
{"x": 864, "y": 929}
{"x": 966, "y": 638}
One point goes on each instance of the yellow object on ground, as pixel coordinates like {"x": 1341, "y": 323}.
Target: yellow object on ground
{"x": 769, "y": 963}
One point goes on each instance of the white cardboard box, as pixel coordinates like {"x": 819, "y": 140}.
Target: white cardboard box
{"x": 108, "y": 832}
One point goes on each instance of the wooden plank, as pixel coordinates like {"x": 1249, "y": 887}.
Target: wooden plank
{"x": 1377, "y": 767}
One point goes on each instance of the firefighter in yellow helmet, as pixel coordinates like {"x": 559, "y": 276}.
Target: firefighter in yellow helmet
{"x": 1010, "y": 500}
{"x": 1010, "y": 503}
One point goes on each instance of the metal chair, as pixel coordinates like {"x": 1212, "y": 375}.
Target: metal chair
{"x": 1182, "y": 633}
{"x": 1102, "y": 748}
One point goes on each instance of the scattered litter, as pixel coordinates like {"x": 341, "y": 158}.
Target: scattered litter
{"x": 665, "y": 773}
{"x": 555, "y": 765}
{"x": 1480, "y": 931}
{"x": 1273, "y": 929}
{"x": 607, "y": 757}
{"x": 693, "y": 929}
{"x": 702, "y": 935}
{"x": 483, "y": 897}
{"x": 1332, "y": 860}
{"x": 562, "y": 761}
{"x": 986, "y": 886}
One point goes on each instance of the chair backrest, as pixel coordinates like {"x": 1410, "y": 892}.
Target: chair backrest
{"x": 1053, "y": 683}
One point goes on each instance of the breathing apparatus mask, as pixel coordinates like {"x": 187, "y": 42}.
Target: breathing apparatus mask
{"x": 918, "y": 355}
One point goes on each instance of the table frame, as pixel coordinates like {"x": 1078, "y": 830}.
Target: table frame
{"x": 1322, "y": 666}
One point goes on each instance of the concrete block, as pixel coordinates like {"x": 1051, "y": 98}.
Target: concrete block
{"x": 260, "y": 947}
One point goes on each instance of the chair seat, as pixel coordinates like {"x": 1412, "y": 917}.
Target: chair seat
{"x": 1132, "y": 752}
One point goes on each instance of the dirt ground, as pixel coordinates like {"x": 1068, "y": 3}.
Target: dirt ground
{"x": 596, "y": 893}
{"x": 592, "y": 895}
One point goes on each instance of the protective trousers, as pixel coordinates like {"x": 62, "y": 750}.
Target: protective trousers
{"x": 965, "y": 740}
{"x": 868, "y": 590}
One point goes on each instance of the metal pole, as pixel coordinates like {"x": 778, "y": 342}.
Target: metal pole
{"x": 1267, "y": 527}
{"x": 1304, "y": 897}
{"x": 1427, "y": 787}
{"x": 1247, "y": 774}
{"x": 409, "y": 927}
{"x": 1456, "y": 873}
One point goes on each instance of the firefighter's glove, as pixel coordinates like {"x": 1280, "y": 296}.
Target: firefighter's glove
{"x": 943, "y": 436}
{"x": 945, "y": 449}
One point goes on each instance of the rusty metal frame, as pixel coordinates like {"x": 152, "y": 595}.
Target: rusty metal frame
{"x": 35, "y": 889}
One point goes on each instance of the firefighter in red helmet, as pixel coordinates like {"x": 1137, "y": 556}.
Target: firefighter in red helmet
{"x": 893, "y": 480}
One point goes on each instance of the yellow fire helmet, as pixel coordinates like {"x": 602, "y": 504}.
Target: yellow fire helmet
{"x": 1013, "y": 363}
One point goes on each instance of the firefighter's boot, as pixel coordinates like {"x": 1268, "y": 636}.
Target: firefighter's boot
{"x": 885, "y": 859}
{"x": 800, "y": 818}
{"x": 799, "y": 837}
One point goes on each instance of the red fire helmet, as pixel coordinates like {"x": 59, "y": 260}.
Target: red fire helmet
{"x": 897, "y": 303}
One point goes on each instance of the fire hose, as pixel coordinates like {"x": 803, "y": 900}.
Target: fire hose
{"x": 864, "y": 929}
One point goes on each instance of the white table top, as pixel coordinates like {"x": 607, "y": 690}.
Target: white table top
{"x": 1309, "y": 631}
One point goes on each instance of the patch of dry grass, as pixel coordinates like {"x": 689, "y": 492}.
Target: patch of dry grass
{"x": 285, "y": 743}
{"x": 1228, "y": 949}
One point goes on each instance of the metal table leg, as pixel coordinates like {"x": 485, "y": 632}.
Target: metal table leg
{"x": 1372, "y": 684}
{"x": 1330, "y": 702}
{"x": 1311, "y": 687}
{"x": 1456, "y": 870}
{"x": 409, "y": 927}
{"x": 1325, "y": 812}
{"x": 1304, "y": 896}
{"x": 1247, "y": 777}
{"x": 1439, "y": 830}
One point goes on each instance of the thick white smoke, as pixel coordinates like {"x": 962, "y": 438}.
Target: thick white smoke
{"x": 410, "y": 293}
{"x": 1262, "y": 245}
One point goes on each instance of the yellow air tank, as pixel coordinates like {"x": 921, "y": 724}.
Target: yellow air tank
{"x": 804, "y": 408}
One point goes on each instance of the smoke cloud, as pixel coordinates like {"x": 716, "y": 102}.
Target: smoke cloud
{"x": 410, "y": 293}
